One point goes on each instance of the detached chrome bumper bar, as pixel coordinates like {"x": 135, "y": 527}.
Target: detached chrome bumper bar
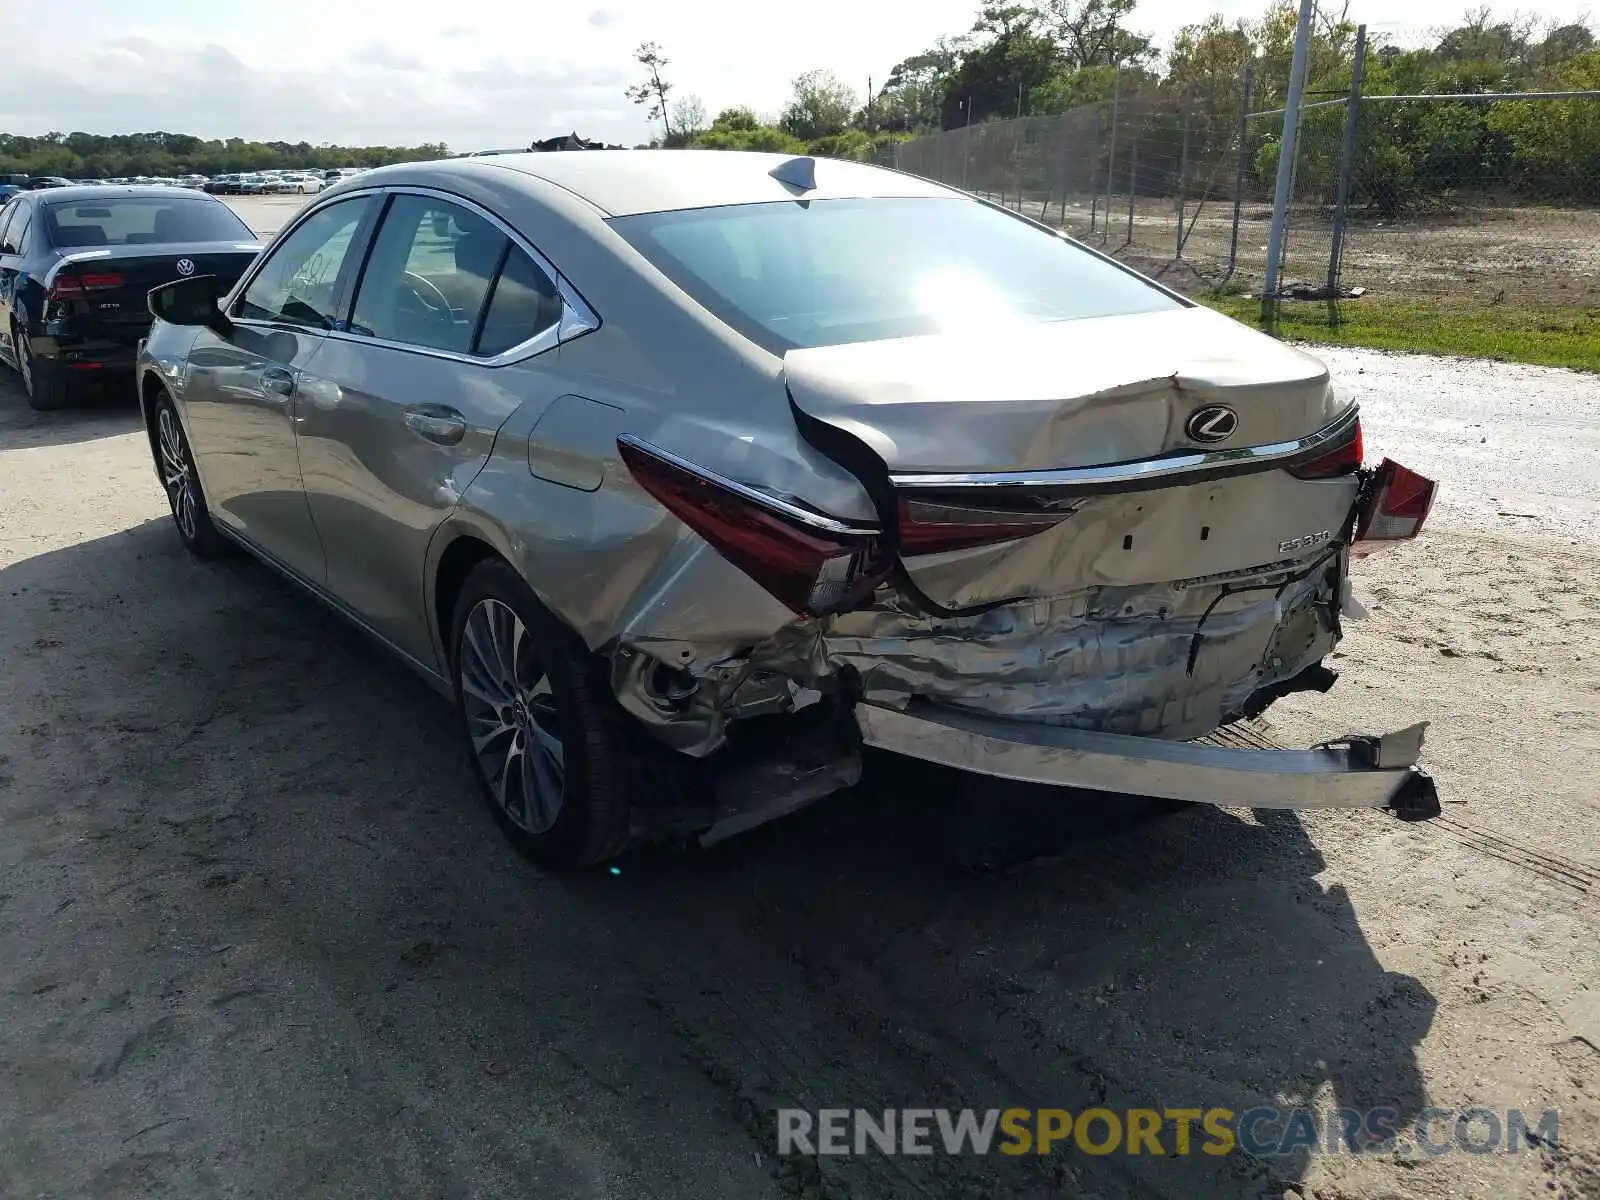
{"x": 1360, "y": 772}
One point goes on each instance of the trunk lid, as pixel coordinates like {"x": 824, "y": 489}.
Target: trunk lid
{"x": 106, "y": 288}
{"x": 1062, "y": 394}
{"x": 985, "y": 431}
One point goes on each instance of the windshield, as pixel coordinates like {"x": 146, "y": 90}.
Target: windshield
{"x": 793, "y": 274}
{"x": 132, "y": 221}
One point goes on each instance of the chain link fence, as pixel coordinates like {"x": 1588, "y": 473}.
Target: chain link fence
{"x": 1492, "y": 200}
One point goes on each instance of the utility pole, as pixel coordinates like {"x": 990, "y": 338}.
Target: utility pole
{"x": 1286, "y": 155}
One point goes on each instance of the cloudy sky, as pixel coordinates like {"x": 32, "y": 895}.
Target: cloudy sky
{"x": 474, "y": 73}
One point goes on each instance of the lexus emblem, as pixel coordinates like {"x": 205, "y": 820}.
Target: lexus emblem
{"x": 1213, "y": 423}
{"x": 186, "y": 267}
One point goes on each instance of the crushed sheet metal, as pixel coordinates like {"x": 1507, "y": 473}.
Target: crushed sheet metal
{"x": 1328, "y": 777}
{"x": 1108, "y": 658}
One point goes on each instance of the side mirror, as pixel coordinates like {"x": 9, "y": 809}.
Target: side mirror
{"x": 191, "y": 301}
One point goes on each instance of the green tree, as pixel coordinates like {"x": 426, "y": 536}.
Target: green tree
{"x": 654, "y": 90}
{"x": 822, "y": 105}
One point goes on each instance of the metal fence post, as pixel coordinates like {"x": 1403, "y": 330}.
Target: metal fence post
{"x": 1061, "y": 163}
{"x": 1183, "y": 167}
{"x": 1133, "y": 183}
{"x": 1239, "y": 168}
{"x": 1347, "y": 161}
{"x": 1111, "y": 158}
{"x": 1286, "y": 154}
{"x": 1094, "y": 172}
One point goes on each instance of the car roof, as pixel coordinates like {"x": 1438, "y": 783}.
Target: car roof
{"x": 621, "y": 182}
{"x": 78, "y": 193}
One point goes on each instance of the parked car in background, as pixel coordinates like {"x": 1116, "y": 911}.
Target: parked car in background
{"x": 733, "y": 485}
{"x": 39, "y": 182}
{"x": 197, "y": 182}
{"x": 77, "y": 263}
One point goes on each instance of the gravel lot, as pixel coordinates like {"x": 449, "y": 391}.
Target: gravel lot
{"x": 261, "y": 940}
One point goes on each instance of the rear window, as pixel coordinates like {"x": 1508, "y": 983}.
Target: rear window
{"x": 799, "y": 274}
{"x": 137, "y": 220}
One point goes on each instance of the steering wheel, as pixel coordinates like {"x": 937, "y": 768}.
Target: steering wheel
{"x": 421, "y": 283}
{"x": 423, "y": 297}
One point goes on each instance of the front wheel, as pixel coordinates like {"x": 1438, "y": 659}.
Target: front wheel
{"x": 552, "y": 750}
{"x": 181, "y": 482}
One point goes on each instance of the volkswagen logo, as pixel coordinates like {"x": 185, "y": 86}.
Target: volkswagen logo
{"x": 1213, "y": 423}
{"x": 186, "y": 267}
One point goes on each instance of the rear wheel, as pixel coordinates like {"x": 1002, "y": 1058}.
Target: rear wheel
{"x": 181, "y": 482}
{"x": 554, "y": 754}
{"x": 42, "y": 385}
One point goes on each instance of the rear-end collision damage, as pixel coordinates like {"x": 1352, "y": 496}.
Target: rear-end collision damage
{"x": 1064, "y": 625}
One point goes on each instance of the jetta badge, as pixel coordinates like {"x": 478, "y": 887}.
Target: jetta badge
{"x": 1214, "y": 423}
{"x": 186, "y": 267}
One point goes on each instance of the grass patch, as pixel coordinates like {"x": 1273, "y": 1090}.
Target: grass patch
{"x": 1554, "y": 337}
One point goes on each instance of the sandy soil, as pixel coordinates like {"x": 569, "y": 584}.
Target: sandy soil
{"x": 259, "y": 939}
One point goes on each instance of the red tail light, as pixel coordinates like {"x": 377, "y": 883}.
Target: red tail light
{"x": 929, "y": 527}
{"x": 1397, "y": 505}
{"x": 75, "y": 285}
{"x": 811, "y": 562}
{"x": 1341, "y": 460}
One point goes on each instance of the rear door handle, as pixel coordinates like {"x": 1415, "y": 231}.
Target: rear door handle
{"x": 437, "y": 423}
{"x": 276, "y": 381}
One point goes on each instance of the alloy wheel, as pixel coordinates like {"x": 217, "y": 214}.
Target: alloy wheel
{"x": 177, "y": 476}
{"x": 512, "y": 716}
{"x": 24, "y": 361}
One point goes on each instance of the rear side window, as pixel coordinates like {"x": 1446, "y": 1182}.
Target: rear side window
{"x": 441, "y": 277}
{"x": 524, "y": 303}
{"x": 6, "y": 215}
{"x": 21, "y": 225}
{"x": 142, "y": 220}
{"x": 428, "y": 275}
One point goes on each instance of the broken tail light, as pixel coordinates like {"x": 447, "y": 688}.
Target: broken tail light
{"x": 812, "y": 563}
{"x": 1397, "y": 504}
{"x": 1343, "y": 459}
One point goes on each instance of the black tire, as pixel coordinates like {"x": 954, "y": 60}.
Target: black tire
{"x": 600, "y": 770}
{"x": 41, "y": 383}
{"x": 181, "y": 482}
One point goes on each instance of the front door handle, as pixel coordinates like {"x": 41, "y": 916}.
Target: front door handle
{"x": 437, "y": 423}
{"x": 275, "y": 381}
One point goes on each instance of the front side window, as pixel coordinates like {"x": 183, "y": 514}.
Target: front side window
{"x": 299, "y": 283}
{"x": 429, "y": 275}
{"x": 7, "y": 214}
{"x": 142, "y": 220}
{"x": 790, "y": 275}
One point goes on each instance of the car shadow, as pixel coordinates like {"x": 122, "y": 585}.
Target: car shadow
{"x": 104, "y": 410}
{"x": 233, "y": 730}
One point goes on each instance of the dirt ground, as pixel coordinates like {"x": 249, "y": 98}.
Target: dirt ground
{"x": 259, "y": 938}
{"x": 1485, "y": 253}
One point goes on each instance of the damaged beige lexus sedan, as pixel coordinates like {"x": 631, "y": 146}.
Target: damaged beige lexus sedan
{"x": 689, "y": 475}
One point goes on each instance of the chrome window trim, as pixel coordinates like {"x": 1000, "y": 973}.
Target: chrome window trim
{"x": 1172, "y": 468}
{"x": 766, "y": 500}
{"x": 577, "y": 317}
